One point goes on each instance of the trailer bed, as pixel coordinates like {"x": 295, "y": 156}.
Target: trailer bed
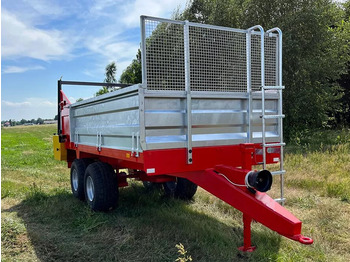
{"x": 137, "y": 120}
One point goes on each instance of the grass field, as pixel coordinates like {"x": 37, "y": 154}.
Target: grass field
{"x": 41, "y": 221}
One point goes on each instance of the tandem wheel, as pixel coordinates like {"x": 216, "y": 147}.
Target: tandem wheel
{"x": 150, "y": 186}
{"x": 77, "y": 173}
{"x": 182, "y": 188}
{"x": 101, "y": 187}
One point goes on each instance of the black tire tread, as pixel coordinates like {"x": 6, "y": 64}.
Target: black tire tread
{"x": 185, "y": 189}
{"x": 105, "y": 184}
{"x": 182, "y": 189}
{"x": 151, "y": 186}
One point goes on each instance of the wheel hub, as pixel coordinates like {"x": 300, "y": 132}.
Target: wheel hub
{"x": 75, "y": 180}
{"x": 90, "y": 190}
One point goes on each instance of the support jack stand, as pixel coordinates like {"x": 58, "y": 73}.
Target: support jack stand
{"x": 247, "y": 245}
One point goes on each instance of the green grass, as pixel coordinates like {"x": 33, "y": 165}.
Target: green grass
{"x": 41, "y": 221}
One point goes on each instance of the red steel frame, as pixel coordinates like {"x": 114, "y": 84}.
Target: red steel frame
{"x": 209, "y": 163}
{"x": 165, "y": 161}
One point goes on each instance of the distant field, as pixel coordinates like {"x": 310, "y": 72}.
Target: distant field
{"x": 41, "y": 221}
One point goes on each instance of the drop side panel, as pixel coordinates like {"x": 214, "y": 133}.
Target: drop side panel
{"x": 109, "y": 121}
{"x": 217, "y": 119}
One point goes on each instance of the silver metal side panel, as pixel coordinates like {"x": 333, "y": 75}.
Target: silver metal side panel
{"x": 159, "y": 119}
{"x": 110, "y": 120}
{"x": 217, "y": 119}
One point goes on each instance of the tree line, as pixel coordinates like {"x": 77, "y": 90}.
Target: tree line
{"x": 11, "y": 122}
{"x": 316, "y": 54}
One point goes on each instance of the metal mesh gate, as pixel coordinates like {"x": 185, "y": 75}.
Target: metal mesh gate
{"x": 217, "y": 57}
{"x": 164, "y": 55}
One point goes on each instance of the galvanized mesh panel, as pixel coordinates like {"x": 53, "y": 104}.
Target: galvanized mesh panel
{"x": 271, "y": 71}
{"x": 218, "y": 59}
{"x": 255, "y": 62}
{"x": 165, "y": 56}
{"x": 270, "y": 61}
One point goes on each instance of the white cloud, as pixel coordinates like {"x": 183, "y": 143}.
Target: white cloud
{"x": 114, "y": 44}
{"x": 30, "y": 108}
{"x": 134, "y": 9}
{"x": 120, "y": 52}
{"x": 46, "y": 8}
{"x": 100, "y": 5}
{"x": 15, "y": 104}
{"x": 24, "y": 40}
{"x": 18, "y": 69}
{"x": 93, "y": 32}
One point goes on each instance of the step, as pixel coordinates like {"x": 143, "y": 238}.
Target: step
{"x": 273, "y": 87}
{"x": 280, "y": 200}
{"x": 275, "y": 173}
{"x": 272, "y": 116}
{"x": 273, "y": 144}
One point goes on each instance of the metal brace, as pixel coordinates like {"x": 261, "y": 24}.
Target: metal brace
{"x": 99, "y": 141}
{"x": 137, "y": 143}
{"x": 133, "y": 149}
{"x": 132, "y": 143}
{"x": 76, "y": 139}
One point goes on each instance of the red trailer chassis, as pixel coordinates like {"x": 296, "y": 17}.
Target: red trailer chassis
{"x": 220, "y": 170}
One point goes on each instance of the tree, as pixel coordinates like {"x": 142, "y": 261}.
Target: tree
{"x": 316, "y": 53}
{"x": 111, "y": 70}
{"x": 315, "y": 56}
{"x": 315, "y": 50}
{"x": 132, "y": 74}
{"x": 346, "y": 7}
{"x": 79, "y": 99}
{"x": 216, "y": 12}
{"x": 342, "y": 116}
{"x": 39, "y": 121}
{"x": 102, "y": 91}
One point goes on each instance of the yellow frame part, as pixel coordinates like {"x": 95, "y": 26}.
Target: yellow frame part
{"x": 59, "y": 150}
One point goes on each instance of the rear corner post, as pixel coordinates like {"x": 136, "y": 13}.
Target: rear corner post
{"x": 143, "y": 51}
{"x": 59, "y": 88}
{"x": 188, "y": 91}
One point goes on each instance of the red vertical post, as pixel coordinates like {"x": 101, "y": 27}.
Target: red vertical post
{"x": 247, "y": 245}
{"x": 247, "y": 151}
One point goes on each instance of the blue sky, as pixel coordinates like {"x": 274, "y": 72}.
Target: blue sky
{"x": 42, "y": 40}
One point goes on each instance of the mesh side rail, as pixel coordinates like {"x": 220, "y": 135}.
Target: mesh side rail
{"x": 270, "y": 53}
{"x": 218, "y": 58}
{"x": 165, "y": 56}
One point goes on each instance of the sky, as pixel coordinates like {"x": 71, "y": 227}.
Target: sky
{"x": 44, "y": 40}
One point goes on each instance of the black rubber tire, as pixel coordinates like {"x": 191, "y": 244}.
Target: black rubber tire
{"x": 79, "y": 166}
{"x": 151, "y": 186}
{"x": 105, "y": 187}
{"x": 182, "y": 188}
{"x": 185, "y": 189}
